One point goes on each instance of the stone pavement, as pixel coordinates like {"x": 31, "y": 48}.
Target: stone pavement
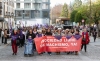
{"x": 92, "y": 54}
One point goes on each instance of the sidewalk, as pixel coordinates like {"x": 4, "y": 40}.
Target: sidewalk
{"x": 96, "y": 43}
{"x": 2, "y": 45}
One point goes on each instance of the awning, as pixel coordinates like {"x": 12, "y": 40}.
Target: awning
{"x": 1, "y": 19}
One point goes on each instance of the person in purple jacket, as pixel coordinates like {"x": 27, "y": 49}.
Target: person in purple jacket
{"x": 14, "y": 37}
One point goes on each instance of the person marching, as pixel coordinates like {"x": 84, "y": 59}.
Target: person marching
{"x": 32, "y": 35}
{"x": 5, "y": 36}
{"x": 35, "y": 33}
{"x": 40, "y": 34}
{"x": 68, "y": 34}
{"x": 14, "y": 37}
{"x": 24, "y": 36}
{"x": 85, "y": 39}
{"x": 58, "y": 36}
{"x": 77, "y": 35}
{"x": 49, "y": 33}
{"x": 2, "y": 35}
{"x": 20, "y": 38}
{"x": 94, "y": 34}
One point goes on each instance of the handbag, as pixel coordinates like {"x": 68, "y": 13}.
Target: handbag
{"x": 84, "y": 39}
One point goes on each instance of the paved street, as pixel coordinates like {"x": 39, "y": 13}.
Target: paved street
{"x": 92, "y": 54}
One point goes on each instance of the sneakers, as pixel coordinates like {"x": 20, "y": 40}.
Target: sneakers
{"x": 14, "y": 53}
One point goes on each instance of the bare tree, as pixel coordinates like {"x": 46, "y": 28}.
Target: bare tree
{"x": 55, "y": 12}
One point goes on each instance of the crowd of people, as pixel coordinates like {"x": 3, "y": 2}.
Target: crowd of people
{"x": 20, "y": 36}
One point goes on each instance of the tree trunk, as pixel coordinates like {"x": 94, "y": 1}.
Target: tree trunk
{"x": 98, "y": 29}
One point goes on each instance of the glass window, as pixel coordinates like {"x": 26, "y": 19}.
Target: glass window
{"x": 45, "y": 6}
{"x": 36, "y": 14}
{"x": 18, "y": 5}
{"x": 27, "y": 13}
{"x": 45, "y": 14}
{"x": 17, "y": 0}
{"x": 18, "y": 13}
{"x": 27, "y": 0}
{"x": 45, "y": 0}
{"x": 27, "y": 5}
{"x": 36, "y": 6}
{"x": 67, "y": 22}
{"x": 37, "y": 0}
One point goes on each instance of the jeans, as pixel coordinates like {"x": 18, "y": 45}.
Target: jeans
{"x": 5, "y": 40}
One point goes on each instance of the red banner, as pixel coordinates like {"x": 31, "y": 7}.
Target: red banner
{"x": 51, "y": 44}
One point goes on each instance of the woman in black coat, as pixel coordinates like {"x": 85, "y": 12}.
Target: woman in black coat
{"x": 48, "y": 33}
{"x": 30, "y": 33}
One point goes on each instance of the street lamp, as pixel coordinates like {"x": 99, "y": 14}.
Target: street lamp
{"x": 23, "y": 18}
{"x": 12, "y": 15}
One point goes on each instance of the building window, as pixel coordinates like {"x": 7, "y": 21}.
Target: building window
{"x": 27, "y": 5}
{"x": 45, "y": 14}
{"x": 27, "y": 13}
{"x": 36, "y": 14}
{"x": 37, "y": 6}
{"x": 27, "y": 0}
{"x": 45, "y": 0}
{"x": 17, "y": 0}
{"x": 45, "y": 6}
{"x": 37, "y": 0}
{"x": 67, "y": 22}
{"x": 18, "y": 5}
{"x": 18, "y": 13}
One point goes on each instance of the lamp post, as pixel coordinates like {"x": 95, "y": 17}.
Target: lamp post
{"x": 12, "y": 15}
{"x": 9, "y": 19}
{"x": 23, "y": 18}
{"x": 15, "y": 19}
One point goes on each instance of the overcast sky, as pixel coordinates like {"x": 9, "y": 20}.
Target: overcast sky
{"x": 55, "y": 2}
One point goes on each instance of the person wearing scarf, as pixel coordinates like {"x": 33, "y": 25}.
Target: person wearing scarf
{"x": 77, "y": 36}
{"x": 14, "y": 37}
{"x": 68, "y": 35}
{"x": 84, "y": 43}
{"x": 43, "y": 31}
{"x": 35, "y": 31}
{"x": 72, "y": 31}
{"x": 58, "y": 36}
{"x": 40, "y": 33}
{"x": 48, "y": 33}
{"x": 30, "y": 33}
